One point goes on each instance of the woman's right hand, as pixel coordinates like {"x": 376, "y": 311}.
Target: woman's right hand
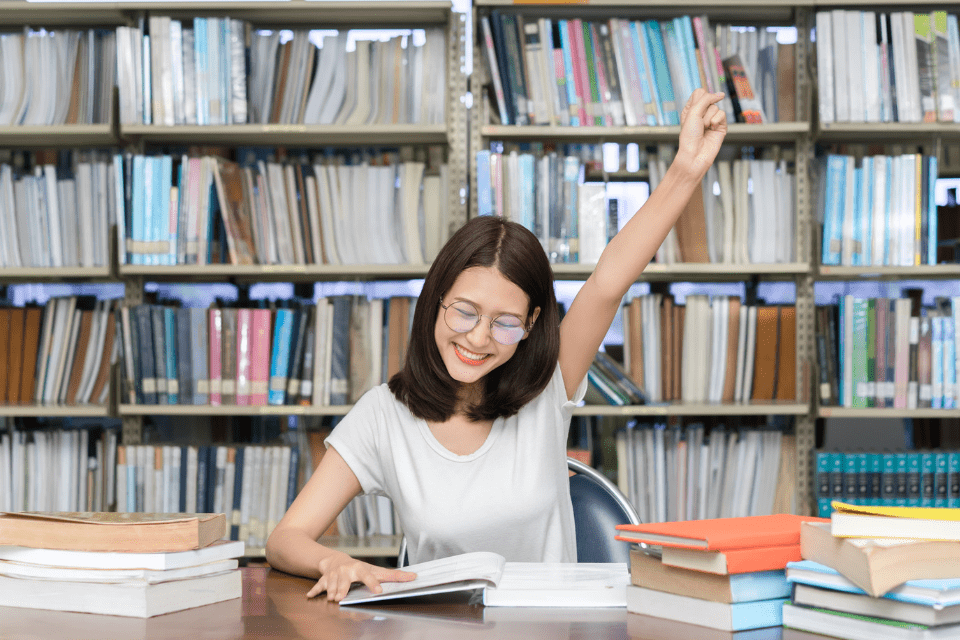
{"x": 338, "y": 572}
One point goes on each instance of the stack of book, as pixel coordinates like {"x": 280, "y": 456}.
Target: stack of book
{"x": 136, "y": 565}
{"x": 878, "y": 572}
{"x": 723, "y": 573}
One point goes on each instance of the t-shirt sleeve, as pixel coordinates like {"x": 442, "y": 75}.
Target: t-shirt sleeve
{"x": 358, "y": 439}
{"x": 561, "y": 392}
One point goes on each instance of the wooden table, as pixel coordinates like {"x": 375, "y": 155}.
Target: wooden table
{"x": 274, "y": 606}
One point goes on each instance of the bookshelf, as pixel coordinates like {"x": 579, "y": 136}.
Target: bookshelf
{"x": 796, "y": 137}
{"x": 451, "y": 136}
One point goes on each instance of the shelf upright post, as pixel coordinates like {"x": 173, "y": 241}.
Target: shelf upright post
{"x": 458, "y": 123}
{"x": 804, "y": 424}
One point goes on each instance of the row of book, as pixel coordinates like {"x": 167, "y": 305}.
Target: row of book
{"x": 878, "y": 210}
{"x": 868, "y": 573}
{"x": 57, "y": 354}
{"x": 888, "y": 67}
{"x": 360, "y": 208}
{"x": 57, "y": 211}
{"x": 744, "y": 213}
{"x": 131, "y": 565}
{"x": 58, "y": 470}
{"x": 202, "y": 71}
{"x": 326, "y": 353}
{"x": 884, "y": 352}
{"x": 574, "y": 72}
{"x": 710, "y": 350}
{"x": 56, "y": 77}
{"x": 253, "y": 484}
{"x": 894, "y": 478}
{"x": 684, "y": 473}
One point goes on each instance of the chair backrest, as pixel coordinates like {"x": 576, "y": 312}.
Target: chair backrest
{"x": 598, "y": 507}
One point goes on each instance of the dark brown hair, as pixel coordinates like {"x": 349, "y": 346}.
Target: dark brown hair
{"x": 423, "y": 384}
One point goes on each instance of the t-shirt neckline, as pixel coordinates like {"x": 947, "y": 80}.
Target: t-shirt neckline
{"x": 495, "y": 430}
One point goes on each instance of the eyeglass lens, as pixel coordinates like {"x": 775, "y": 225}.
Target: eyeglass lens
{"x": 463, "y": 317}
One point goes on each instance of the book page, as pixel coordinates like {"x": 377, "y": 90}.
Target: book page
{"x": 465, "y": 571}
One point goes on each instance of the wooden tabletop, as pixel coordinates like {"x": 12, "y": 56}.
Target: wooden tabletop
{"x": 274, "y": 605}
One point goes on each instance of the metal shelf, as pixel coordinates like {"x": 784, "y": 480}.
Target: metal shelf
{"x": 826, "y": 272}
{"x": 231, "y": 410}
{"x": 889, "y": 132}
{"x": 311, "y": 272}
{"x": 65, "y": 135}
{"x": 878, "y": 412}
{"x": 300, "y": 135}
{"x": 282, "y": 12}
{"x": 54, "y": 273}
{"x": 697, "y": 409}
{"x": 54, "y": 411}
{"x": 695, "y": 271}
{"x": 786, "y": 132}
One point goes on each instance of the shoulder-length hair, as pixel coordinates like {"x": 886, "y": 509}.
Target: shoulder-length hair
{"x": 423, "y": 384}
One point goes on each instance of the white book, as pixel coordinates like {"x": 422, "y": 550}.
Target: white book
{"x": 535, "y": 584}
{"x": 323, "y": 78}
{"x": 852, "y": 37}
{"x": 362, "y": 90}
{"x": 325, "y": 213}
{"x": 134, "y": 575}
{"x": 871, "y": 67}
{"x": 137, "y": 599}
{"x": 349, "y": 105}
{"x": 592, "y": 222}
{"x": 751, "y": 342}
{"x": 411, "y": 175}
{"x": 108, "y": 560}
{"x": 841, "y": 67}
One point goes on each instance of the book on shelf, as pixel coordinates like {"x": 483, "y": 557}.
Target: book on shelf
{"x": 877, "y": 565}
{"x": 903, "y": 70}
{"x": 707, "y": 468}
{"x": 105, "y": 531}
{"x": 524, "y": 583}
{"x": 575, "y": 72}
{"x": 651, "y": 572}
{"x": 275, "y": 210}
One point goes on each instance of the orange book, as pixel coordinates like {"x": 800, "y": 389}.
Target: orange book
{"x": 720, "y": 533}
{"x": 731, "y": 561}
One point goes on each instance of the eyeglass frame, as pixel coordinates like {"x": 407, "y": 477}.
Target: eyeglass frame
{"x": 526, "y": 327}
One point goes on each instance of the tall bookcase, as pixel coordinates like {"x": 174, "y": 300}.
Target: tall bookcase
{"x": 796, "y": 135}
{"x": 451, "y": 134}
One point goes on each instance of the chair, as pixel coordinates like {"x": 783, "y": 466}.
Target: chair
{"x": 598, "y": 507}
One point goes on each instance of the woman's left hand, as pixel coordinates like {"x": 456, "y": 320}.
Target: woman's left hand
{"x": 703, "y": 126}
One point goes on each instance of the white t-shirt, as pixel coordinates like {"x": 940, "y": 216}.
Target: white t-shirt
{"x": 510, "y": 496}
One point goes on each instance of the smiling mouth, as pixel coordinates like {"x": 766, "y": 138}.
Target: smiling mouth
{"x": 468, "y": 357}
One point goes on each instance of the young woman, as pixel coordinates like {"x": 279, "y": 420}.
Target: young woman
{"x": 469, "y": 439}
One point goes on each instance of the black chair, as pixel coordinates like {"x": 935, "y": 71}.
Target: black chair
{"x": 598, "y": 507}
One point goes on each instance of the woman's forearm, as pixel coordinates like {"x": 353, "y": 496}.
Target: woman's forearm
{"x": 293, "y": 551}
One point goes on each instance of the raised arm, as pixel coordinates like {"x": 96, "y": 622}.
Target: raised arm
{"x": 702, "y": 128}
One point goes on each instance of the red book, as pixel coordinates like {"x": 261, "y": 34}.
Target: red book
{"x": 720, "y": 534}
{"x": 244, "y": 348}
{"x": 260, "y": 356}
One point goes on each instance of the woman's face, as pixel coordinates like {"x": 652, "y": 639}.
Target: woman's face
{"x": 472, "y": 354}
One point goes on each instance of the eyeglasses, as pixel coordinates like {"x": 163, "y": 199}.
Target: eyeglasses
{"x": 462, "y": 317}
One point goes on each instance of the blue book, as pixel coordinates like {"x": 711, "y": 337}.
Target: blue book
{"x": 167, "y": 227}
{"x": 888, "y": 479}
{"x": 198, "y": 352}
{"x": 927, "y": 478}
{"x": 940, "y": 479}
{"x": 184, "y": 453}
{"x": 293, "y": 476}
{"x": 833, "y": 213}
{"x": 200, "y": 69}
{"x": 147, "y": 389}
{"x": 914, "y": 492}
{"x": 137, "y": 232}
{"x": 238, "y": 465}
{"x": 874, "y": 477}
{"x": 280, "y": 356}
{"x": 657, "y": 55}
{"x": 149, "y": 207}
{"x": 675, "y": 62}
{"x": 571, "y": 87}
{"x": 860, "y": 313}
{"x": 484, "y": 188}
{"x": 170, "y": 347}
{"x": 838, "y": 462}
{"x": 858, "y": 215}
{"x": 931, "y": 210}
{"x": 900, "y": 459}
{"x": 944, "y": 592}
{"x": 866, "y": 213}
{"x": 949, "y": 363}
{"x": 850, "y": 481}
{"x": 528, "y": 192}
{"x": 887, "y": 256}
{"x": 953, "y": 479}
{"x": 684, "y": 27}
{"x": 862, "y": 477}
{"x": 648, "y": 90}
{"x": 822, "y": 482}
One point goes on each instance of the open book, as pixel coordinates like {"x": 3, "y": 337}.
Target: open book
{"x": 517, "y": 584}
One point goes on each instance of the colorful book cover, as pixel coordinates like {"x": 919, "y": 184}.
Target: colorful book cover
{"x": 260, "y": 357}
{"x": 170, "y": 331}
{"x": 215, "y": 348}
{"x": 657, "y": 55}
{"x": 833, "y": 211}
{"x": 566, "y": 48}
{"x": 941, "y": 487}
{"x": 927, "y": 478}
{"x": 648, "y": 88}
{"x": 280, "y": 356}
